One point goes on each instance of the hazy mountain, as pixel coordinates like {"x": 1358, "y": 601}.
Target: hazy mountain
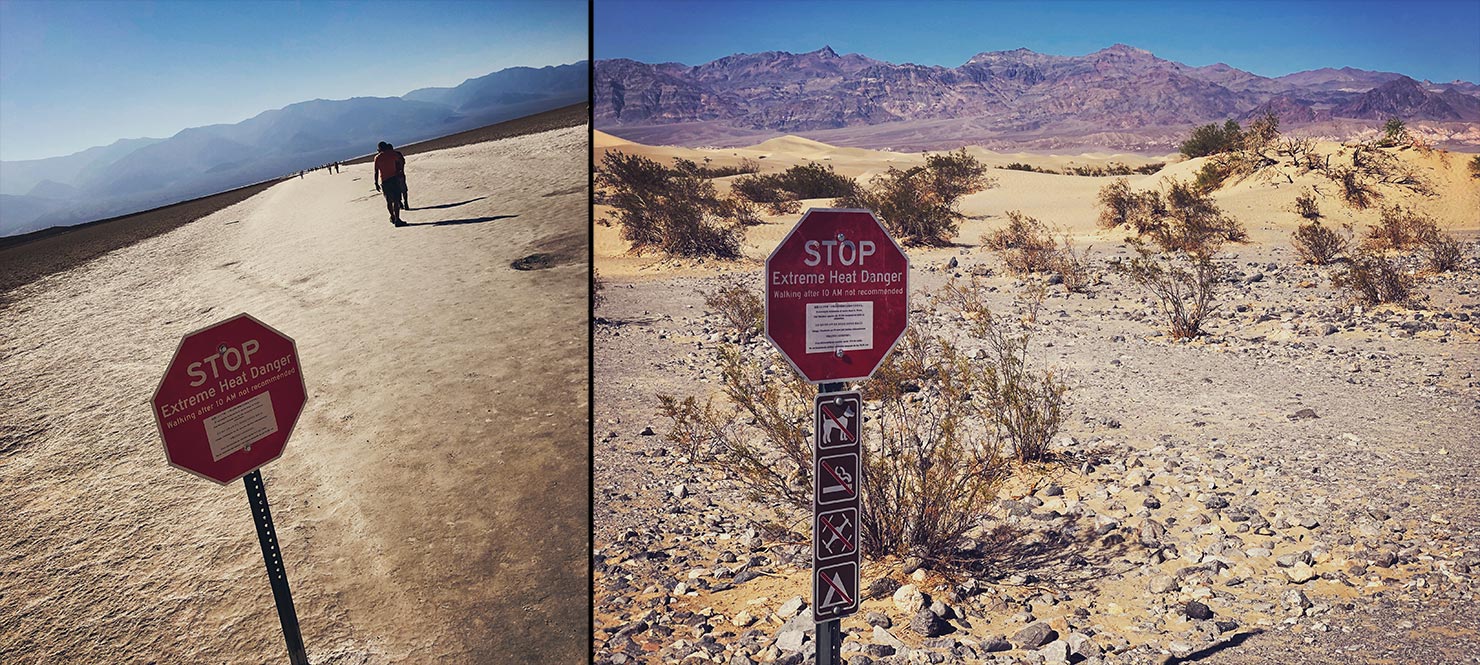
{"x": 138, "y": 174}
{"x": 1122, "y": 93}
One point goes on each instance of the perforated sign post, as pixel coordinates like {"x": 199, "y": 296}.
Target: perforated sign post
{"x": 837, "y": 301}
{"x": 225, "y": 407}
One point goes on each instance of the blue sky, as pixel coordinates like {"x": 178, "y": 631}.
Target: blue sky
{"x": 76, "y": 74}
{"x": 1439, "y": 41}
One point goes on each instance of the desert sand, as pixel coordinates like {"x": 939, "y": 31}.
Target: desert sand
{"x": 1307, "y": 471}
{"x": 432, "y": 504}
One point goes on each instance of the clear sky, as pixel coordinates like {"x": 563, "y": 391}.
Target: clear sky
{"x": 1435, "y": 40}
{"x": 76, "y": 74}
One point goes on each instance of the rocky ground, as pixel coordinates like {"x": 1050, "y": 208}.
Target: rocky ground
{"x": 1299, "y": 485}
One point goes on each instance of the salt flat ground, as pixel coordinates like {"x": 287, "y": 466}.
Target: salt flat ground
{"x": 1187, "y": 471}
{"x": 432, "y": 504}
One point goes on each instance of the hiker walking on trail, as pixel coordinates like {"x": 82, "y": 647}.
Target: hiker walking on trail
{"x": 390, "y": 179}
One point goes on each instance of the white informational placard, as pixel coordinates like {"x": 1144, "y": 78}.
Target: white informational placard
{"x": 240, "y": 426}
{"x": 848, "y": 326}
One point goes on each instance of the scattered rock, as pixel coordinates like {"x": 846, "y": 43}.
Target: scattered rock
{"x": 909, "y": 600}
{"x": 1034, "y": 636}
{"x": 929, "y": 624}
{"x": 1197, "y": 611}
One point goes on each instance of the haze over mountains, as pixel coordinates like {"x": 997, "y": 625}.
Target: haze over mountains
{"x": 138, "y": 174}
{"x": 1119, "y": 97}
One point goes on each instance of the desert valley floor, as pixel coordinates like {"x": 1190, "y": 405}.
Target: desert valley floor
{"x": 432, "y": 504}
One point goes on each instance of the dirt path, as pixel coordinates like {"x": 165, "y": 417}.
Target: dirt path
{"x": 433, "y": 502}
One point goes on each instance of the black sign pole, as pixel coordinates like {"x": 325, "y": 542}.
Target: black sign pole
{"x": 276, "y": 573}
{"x": 830, "y": 633}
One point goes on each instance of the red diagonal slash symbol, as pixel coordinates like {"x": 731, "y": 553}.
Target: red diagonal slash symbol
{"x": 846, "y": 434}
{"x": 847, "y": 600}
{"x": 836, "y": 477}
{"x": 837, "y": 533}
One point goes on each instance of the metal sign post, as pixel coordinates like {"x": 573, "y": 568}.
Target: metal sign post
{"x": 276, "y": 573}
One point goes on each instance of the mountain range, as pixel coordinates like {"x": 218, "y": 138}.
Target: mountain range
{"x": 1118, "y": 97}
{"x": 139, "y": 174}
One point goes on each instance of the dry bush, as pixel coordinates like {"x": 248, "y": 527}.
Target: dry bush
{"x": 781, "y": 192}
{"x": 1019, "y": 166}
{"x": 919, "y": 204}
{"x": 1184, "y": 285}
{"x": 1355, "y": 189}
{"x": 1371, "y": 279}
{"x": 671, "y": 211}
{"x": 932, "y": 464}
{"x": 689, "y": 167}
{"x": 1028, "y": 403}
{"x": 741, "y": 308}
{"x": 1319, "y": 245}
{"x": 766, "y": 191}
{"x": 933, "y": 450}
{"x": 1305, "y": 205}
{"x": 1475, "y": 166}
{"x": 1214, "y": 173}
{"x": 1442, "y": 253}
{"x": 1119, "y": 206}
{"x": 1076, "y": 267}
{"x": 1401, "y": 228}
{"x": 1211, "y": 139}
{"x": 1026, "y": 245}
{"x": 1179, "y": 218}
{"x": 597, "y": 297}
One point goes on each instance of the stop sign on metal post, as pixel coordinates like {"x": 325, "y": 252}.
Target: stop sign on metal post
{"x": 837, "y": 295}
{"x": 229, "y": 399}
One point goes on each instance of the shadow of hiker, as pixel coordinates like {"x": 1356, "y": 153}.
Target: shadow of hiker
{"x": 449, "y": 205}
{"x": 455, "y": 222}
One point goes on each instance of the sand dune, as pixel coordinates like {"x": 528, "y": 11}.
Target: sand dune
{"x": 432, "y": 504}
{"x": 1264, "y": 203}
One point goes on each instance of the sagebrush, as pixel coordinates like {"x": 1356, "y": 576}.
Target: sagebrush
{"x": 919, "y": 204}
{"x": 670, "y": 210}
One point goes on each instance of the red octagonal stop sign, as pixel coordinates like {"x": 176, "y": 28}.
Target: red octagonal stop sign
{"x": 837, "y": 295}
{"x": 229, "y": 399}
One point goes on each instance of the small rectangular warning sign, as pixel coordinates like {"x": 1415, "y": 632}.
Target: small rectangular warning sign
{"x": 240, "y": 426}
{"x": 834, "y": 326}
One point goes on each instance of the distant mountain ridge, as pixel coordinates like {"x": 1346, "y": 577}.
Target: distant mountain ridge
{"x": 1119, "y": 91}
{"x": 131, "y": 175}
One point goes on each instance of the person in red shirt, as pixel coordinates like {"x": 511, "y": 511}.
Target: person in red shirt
{"x": 390, "y": 179}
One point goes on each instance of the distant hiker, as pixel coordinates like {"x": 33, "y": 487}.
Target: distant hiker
{"x": 300, "y": 175}
{"x": 390, "y": 169}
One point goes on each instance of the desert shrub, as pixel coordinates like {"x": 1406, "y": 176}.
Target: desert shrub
{"x": 1184, "y": 285}
{"x": 1319, "y": 245}
{"x": 1371, "y": 279}
{"x": 1475, "y": 166}
{"x": 1442, "y": 252}
{"x": 767, "y": 192}
{"x": 1025, "y": 244}
{"x": 1305, "y": 205}
{"x": 1356, "y": 190}
{"x": 780, "y": 193}
{"x": 1179, "y": 218}
{"x": 1075, "y": 267}
{"x": 1028, "y": 403}
{"x": 1149, "y": 169}
{"x": 669, "y": 210}
{"x": 919, "y": 204}
{"x": 1401, "y": 228}
{"x": 690, "y": 167}
{"x": 1019, "y": 166}
{"x": 1299, "y": 150}
{"x": 597, "y": 297}
{"x": 1213, "y": 174}
{"x": 1120, "y": 206}
{"x": 1211, "y": 139}
{"x": 932, "y": 463}
{"x": 1394, "y": 133}
{"x": 741, "y": 309}
{"x": 1191, "y": 221}
{"x": 816, "y": 181}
